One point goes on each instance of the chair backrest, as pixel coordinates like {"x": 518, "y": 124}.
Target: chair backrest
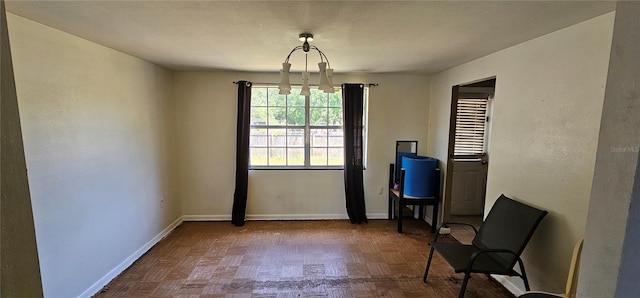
{"x": 572, "y": 281}
{"x": 509, "y": 225}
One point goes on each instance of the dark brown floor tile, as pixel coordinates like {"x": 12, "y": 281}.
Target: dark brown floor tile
{"x": 295, "y": 259}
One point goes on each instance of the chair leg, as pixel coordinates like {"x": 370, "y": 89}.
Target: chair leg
{"x": 523, "y": 275}
{"x": 426, "y": 270}
{"x": 467, "y": 275}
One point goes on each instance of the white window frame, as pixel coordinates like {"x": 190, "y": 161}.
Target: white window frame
{"x": 471, "y": 127}
{"x": 307, "y": 137}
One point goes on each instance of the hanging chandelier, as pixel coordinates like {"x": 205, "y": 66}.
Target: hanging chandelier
{"x": 326, "y": 72}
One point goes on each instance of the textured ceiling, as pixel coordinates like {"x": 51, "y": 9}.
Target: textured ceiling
{"x": 357, "y": 36}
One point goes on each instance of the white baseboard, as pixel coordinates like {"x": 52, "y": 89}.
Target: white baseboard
{"x": 98, "y": 285}
{"x": 206, "y": 217}
{"x": 515, "y": 290}
{"x": 377, "y": 216}
{"x": 295, "y": 216}
{"x": 279, "y": 217}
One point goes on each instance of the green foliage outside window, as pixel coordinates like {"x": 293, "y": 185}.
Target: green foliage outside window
{"x": 271, "y": 108}
{"x": 279, "y": 128}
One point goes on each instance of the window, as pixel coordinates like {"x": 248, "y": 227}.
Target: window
{"x": 294, "y": 131}
{"x": 470, "y": 126}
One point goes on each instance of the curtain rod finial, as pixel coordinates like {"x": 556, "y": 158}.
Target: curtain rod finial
{"x": 248, "y": 83}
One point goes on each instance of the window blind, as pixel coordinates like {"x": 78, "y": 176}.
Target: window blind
{"x": 471, "y": 121}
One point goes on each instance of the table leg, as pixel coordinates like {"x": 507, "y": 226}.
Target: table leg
{"x": 434, "y": 218}
{"x": 390, "y": 209}
{"x": 400, "y": 207}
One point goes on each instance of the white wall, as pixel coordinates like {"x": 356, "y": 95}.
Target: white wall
{"x": 19, "y": 267}
{"x": 96, "y": 125}
{"x": 206, "y": 121}
{"x": 546, "y": 117}
{"x": 610, "y": 260}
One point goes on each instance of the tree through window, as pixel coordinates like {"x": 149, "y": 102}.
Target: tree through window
{"x": 294, "y": 130}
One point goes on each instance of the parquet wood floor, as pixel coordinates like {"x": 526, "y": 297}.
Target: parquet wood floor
{"x": 294, "y": 259}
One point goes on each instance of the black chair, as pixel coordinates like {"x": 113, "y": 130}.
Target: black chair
{"x": 497, "y": 245}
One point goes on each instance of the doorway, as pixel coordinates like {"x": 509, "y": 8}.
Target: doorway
{"x": 468, "y": 154}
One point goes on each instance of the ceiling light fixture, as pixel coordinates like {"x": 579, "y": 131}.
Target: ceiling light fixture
{"x": 326, "y": 72}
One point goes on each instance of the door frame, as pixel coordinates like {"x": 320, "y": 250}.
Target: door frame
{"x": 448, "y": 185}
{"x": 448, "y": 179}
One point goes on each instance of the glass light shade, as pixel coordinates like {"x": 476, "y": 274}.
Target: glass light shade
{"x": 285, "y": 85}
{"x": 284, "y": 92}
{"x": 305, "y": 91}
{"x": 324, "y": 83}
{"x": 330, "y": 81}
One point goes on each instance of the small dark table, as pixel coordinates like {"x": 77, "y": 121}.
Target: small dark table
{"x": 398, "y": 200}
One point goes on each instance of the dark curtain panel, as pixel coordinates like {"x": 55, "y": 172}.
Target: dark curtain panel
{"x": 242, "y": 154}
{"x": 352, "y": 108}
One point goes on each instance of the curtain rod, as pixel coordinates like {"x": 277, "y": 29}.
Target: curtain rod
{"x": 258, "y": 83}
